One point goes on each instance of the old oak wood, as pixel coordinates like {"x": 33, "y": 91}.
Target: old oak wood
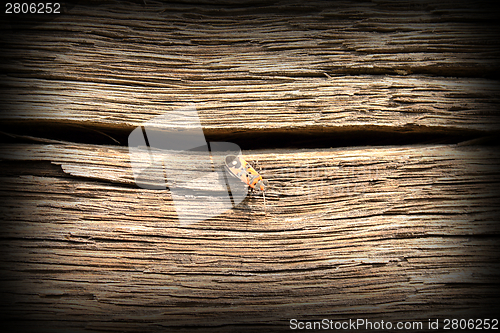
{"x": 385, "y": 233}
{"x": 398, "y": 232}
{"x": 322, "y": 66}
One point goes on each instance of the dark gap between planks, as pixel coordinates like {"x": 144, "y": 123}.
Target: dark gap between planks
{"x": 300, "y": 137}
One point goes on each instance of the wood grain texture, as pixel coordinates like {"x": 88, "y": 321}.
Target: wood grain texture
{"x": 326, "y": 104}
{"x": 398, "y": 233}
{"x": 394, "y": 232}
{"x": 274, "y": 66}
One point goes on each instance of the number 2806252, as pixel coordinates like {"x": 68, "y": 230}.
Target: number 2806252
{"x": 33, "y": 8}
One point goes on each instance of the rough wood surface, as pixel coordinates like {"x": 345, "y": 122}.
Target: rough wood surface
{"x": 388, "y": 233}
{"x": 286, "y": 64}
{"x": 384, "y": 233}
{"x": 314, "y": 103}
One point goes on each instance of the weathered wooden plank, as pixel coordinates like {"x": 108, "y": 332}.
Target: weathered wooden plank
{"x": 279, "y": 62}
{"x": 326, "y": 104}
{"x": 403, "y": 233}
{"x": 220, "y": 39}
{"x": 393, "y": 233}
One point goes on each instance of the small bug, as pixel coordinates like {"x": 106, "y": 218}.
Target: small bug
{"x": 242, "y": 170}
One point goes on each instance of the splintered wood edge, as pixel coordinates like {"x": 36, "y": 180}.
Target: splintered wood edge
{"x": 352, "y": 180}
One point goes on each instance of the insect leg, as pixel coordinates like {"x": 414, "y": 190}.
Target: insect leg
{"x": 264, "y": 196}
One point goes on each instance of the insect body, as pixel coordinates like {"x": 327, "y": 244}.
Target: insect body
{"x": 242, "y": 170}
